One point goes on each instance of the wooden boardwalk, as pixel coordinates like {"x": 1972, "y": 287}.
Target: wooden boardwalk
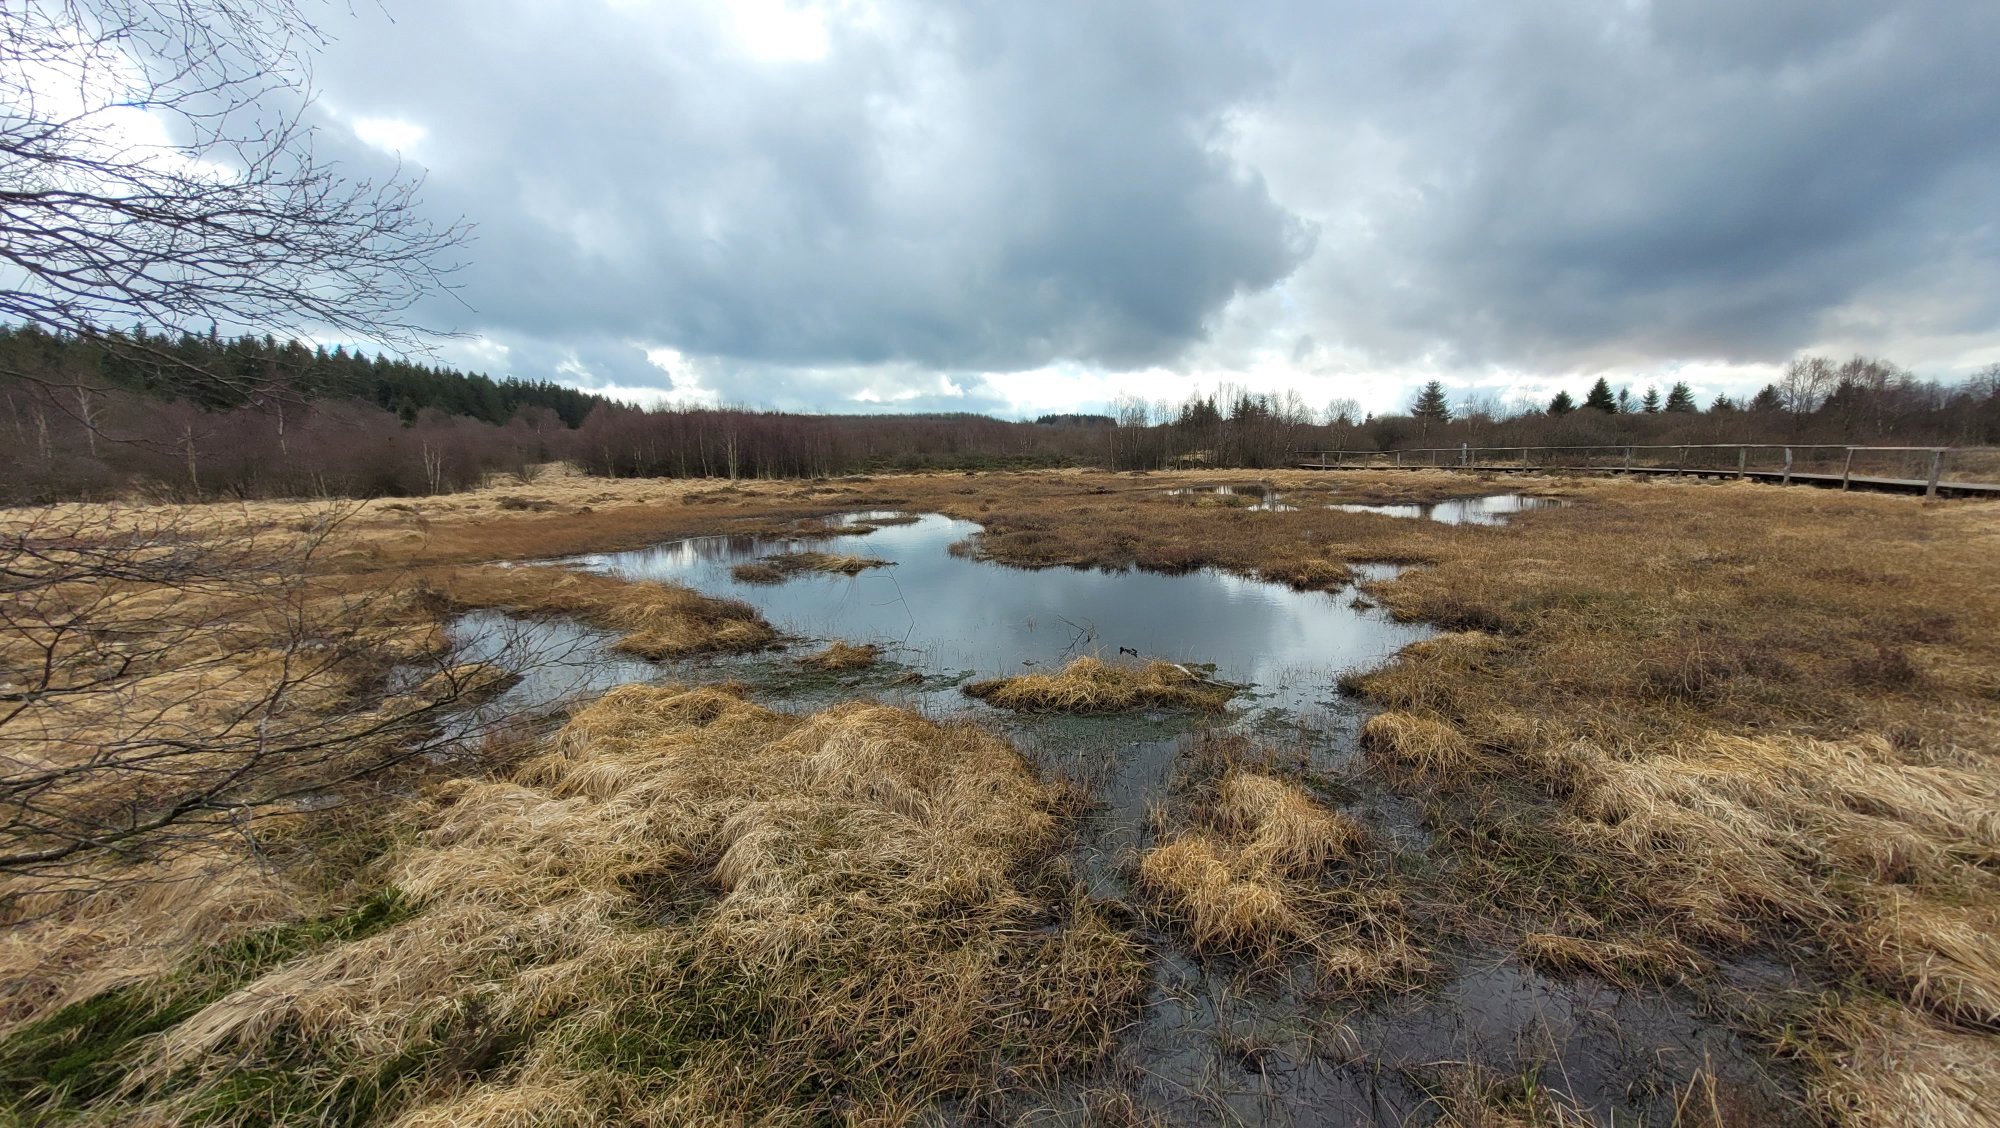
{"x": 1467, "y": 459}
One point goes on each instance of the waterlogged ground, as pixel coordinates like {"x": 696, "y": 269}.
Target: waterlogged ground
{"x": 1251, "y": 496}
{"x": 1217, "y": 1043}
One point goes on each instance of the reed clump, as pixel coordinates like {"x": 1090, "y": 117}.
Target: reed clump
{"x": 1091, "y": 685}
{"x": 840, "y": 657}
{"x": 685, "y": 910}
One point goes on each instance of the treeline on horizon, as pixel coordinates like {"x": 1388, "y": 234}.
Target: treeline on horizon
{"x": 199, "y": 417}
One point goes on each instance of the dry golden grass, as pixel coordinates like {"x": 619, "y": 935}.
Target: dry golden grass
{"x": 1091, "y": 685}
{"x": 840, "y": 656}
{"x": 1627, "y": 963}
{"x": 695, "y": 910}
{"x": 1726, "y": 716}
{"x": 1471, "y": 1097}
{"x": 783, "y": 566}
{"x": 1308, "y": 573}
{"x": 1407, "y": 745}
{"x": 1227, "y": 903}
{"x": 1280, "y": 828}
{"x": 657, "y": 620}
{"x": 1879, "y": 1065}
{"x": 1255, "y": 875}
{"x": 141, "y": 920}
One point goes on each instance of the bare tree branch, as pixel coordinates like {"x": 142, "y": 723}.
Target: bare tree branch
{"x": 157, "y": 171}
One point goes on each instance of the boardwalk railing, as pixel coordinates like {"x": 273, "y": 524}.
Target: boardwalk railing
{"x": 1931, "y": 469}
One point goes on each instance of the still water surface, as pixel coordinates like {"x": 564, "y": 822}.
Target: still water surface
{"x": 944, "y": 613}
{"x": 1491, "y": 510}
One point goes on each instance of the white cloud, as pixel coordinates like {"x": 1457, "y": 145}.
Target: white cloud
{"x": 780, "y": 30}
{"x": 391, "y": 135}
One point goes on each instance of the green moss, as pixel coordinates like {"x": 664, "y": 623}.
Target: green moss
{"x": 82, "y": 1052}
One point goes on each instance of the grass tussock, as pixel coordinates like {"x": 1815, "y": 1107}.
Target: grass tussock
{"x": 1091, "y": 685}
{"x": 785, "y": 565}
{"x": 1308, "y": 573}
{"x": 1262, "y": 872}
{"x": 657, "y": 620}
{"x": 1410, "y": 746}
{"x": 692, "y": 910}
{"x": 841, "y": 656}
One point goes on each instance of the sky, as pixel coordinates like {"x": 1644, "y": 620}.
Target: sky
{"x": 1018, "y": 207}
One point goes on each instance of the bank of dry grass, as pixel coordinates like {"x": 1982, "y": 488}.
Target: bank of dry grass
{"x": 655, "y": 620}
{"x": 691, "y": 910}
{"x": 1091, "y": 685}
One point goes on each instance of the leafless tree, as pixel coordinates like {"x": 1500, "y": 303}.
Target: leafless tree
{"x": 1806, "y": 384}
{"x": 157, "y": 170}
{"x": 161, "y": 683}
{"x": 1344, "y": 411}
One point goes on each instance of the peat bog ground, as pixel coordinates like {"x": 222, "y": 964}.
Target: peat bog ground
{"x": 1062, "y": 798}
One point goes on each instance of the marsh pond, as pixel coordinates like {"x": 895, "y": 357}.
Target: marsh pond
{"x": 1219, "y": 1040}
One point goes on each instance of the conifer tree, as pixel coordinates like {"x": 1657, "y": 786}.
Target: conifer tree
{"x": 1431, "y": 405}
{"x": 1600, "y": 399}
{"x": 1651, "y": 403}
{"x": 1680, "y": 398}
{"x": 1562, "y": 404}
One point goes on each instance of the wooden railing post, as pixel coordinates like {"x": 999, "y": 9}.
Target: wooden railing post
{"x": 1937, "y": 468}
{"x": 1742, "y": 461}
{"x": 1399, "y": 458}
{"x": 1847, "y": 470}
{"x": 1628, "y": 460}
{"x": 1464, "y": 455}
{"x": 1787, "y": 479}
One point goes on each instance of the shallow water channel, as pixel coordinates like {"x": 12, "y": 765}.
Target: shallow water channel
{"x": 1215, "y": 1045}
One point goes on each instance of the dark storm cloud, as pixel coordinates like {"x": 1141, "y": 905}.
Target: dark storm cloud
{"x": 1680, "y": 179}
{"x": 966, "y": 188}
{"x": 990, "y": 187}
